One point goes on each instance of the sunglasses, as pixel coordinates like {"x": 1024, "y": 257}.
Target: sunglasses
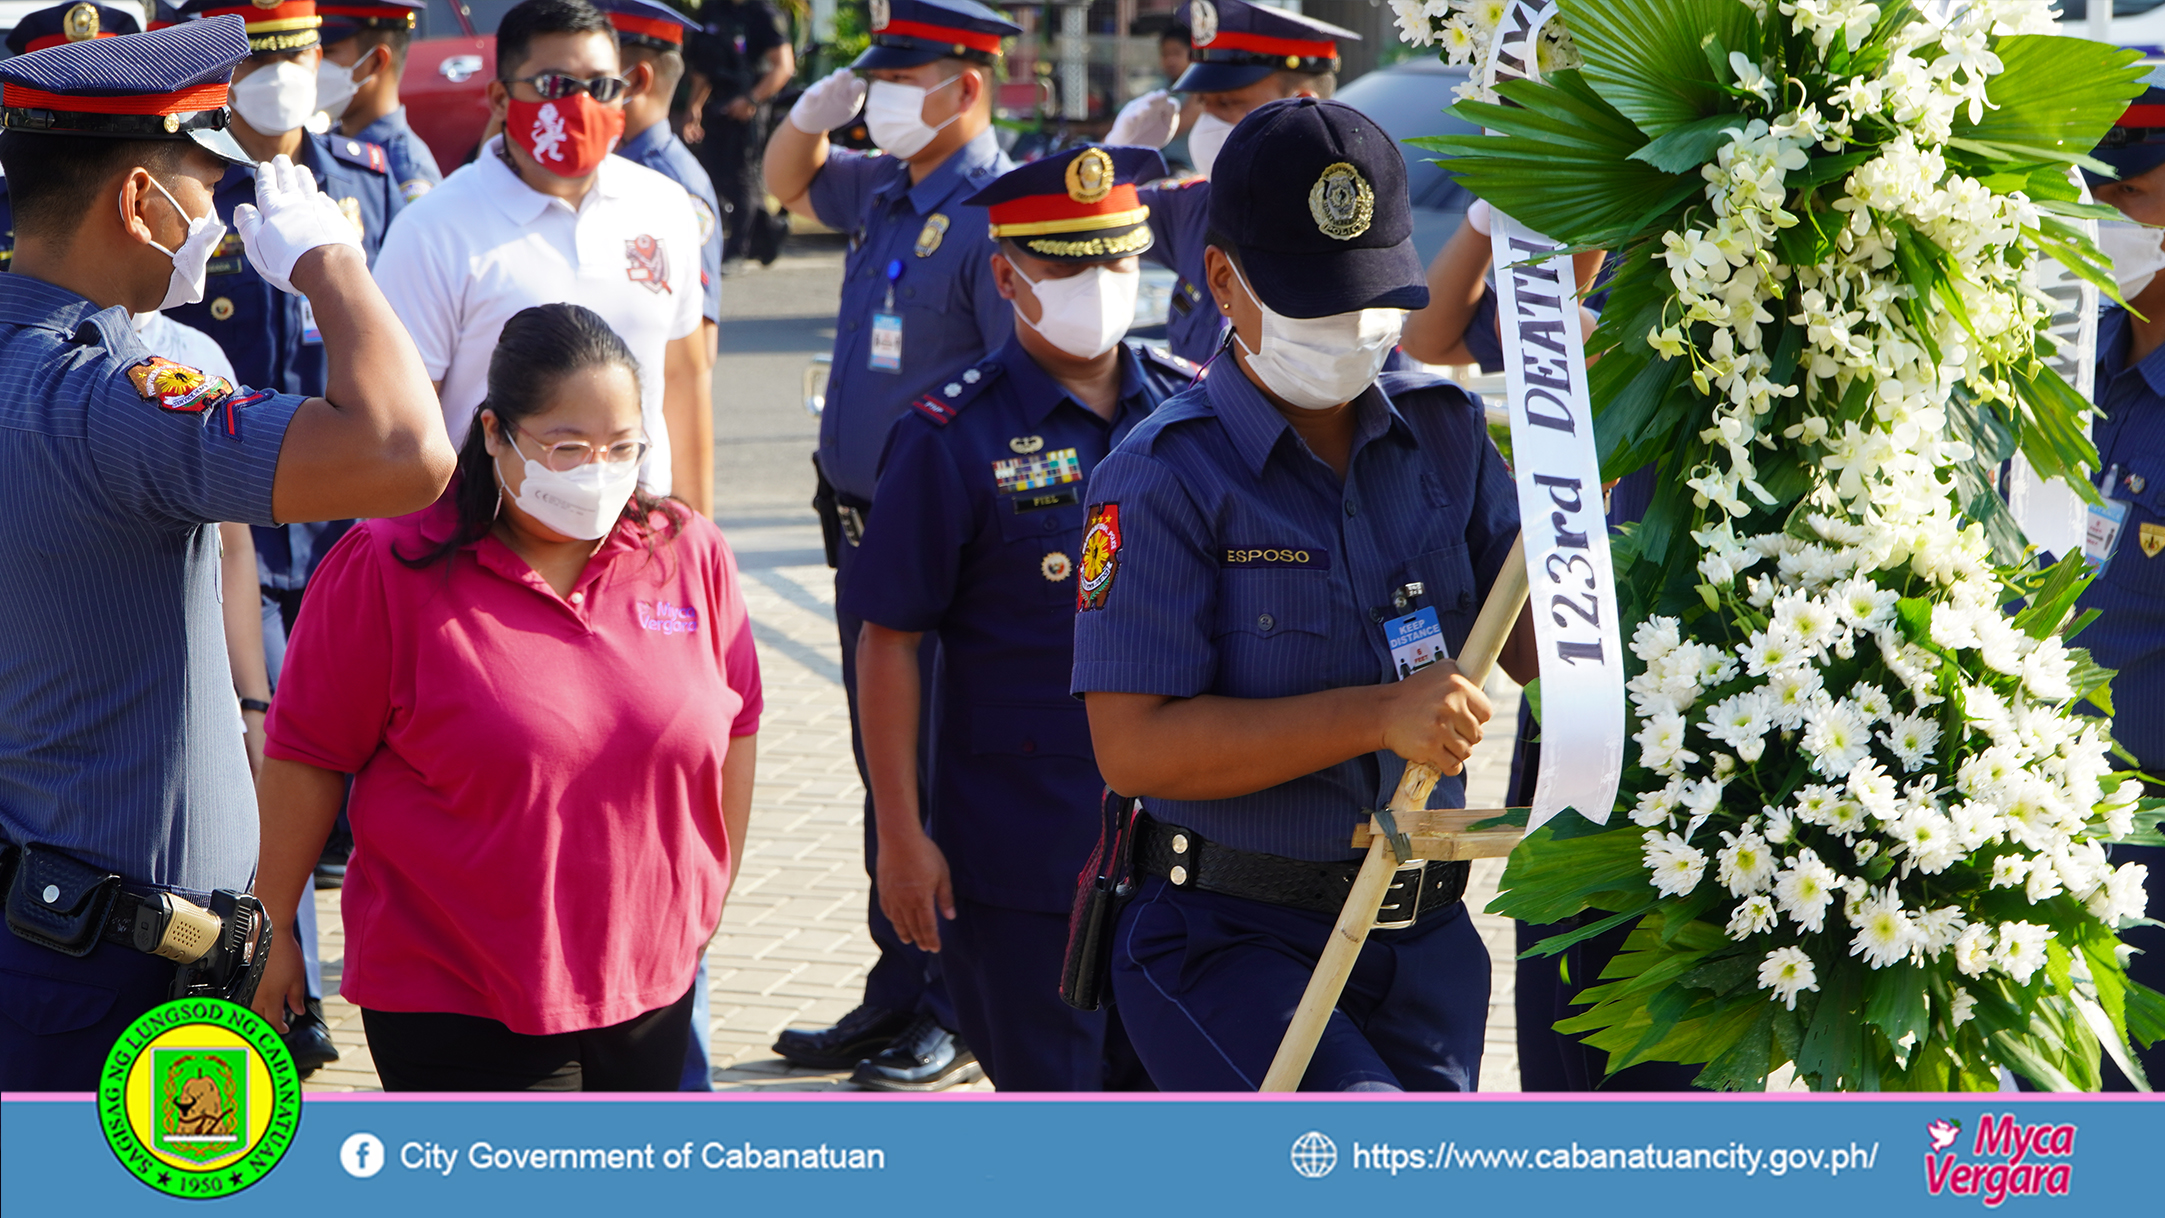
{"x": 557, "y": 86}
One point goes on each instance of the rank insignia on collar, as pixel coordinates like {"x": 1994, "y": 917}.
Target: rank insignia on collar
{"x": 930, "y": 236}
{"x": 1056, "y": 567}
{"x": 177, "y": 387}
{"x": 1100, "y": 557}
{"x": 2153, "y": 539}
{"x": 1026, "y": 444}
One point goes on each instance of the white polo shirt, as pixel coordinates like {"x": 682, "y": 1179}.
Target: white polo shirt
{"x": 466, "y": 256}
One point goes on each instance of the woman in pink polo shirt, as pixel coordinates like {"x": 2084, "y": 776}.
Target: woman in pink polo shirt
{"x": 545, "y": 689}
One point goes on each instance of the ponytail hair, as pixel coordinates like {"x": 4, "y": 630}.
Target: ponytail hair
{"x": 538, "y": 348}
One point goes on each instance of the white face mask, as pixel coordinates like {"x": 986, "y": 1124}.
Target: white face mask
{"x": 1085, "y": 315}
{"x": 895, "y": 114}
{"x": 276, "y": 99}
{"x": 2135, "y": 252}
{"x": 1316, "y": 363}
{"x": 335, "y": 87}
{"x": 1205, "y": 138}
{"x": 584, "y": 503}
{"x": 191, "y": 262}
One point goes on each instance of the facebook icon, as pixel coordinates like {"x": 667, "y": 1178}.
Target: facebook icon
{"x": 361, "y": 1155}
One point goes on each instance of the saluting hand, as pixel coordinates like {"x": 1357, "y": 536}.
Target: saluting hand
{"x": 829, "y": 103}
{"x": 1147, "y": 122}
{"x": 915, "y": 888}
{"x": 1434, "y": 716}
{"x": 289, "y": 218}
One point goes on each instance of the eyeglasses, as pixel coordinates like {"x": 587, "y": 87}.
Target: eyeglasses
{"x": 568, "y": 455}
{"x": 556, "y": 86}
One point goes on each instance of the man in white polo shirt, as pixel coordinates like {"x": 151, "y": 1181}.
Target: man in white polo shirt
{"x": 545, "y": 215}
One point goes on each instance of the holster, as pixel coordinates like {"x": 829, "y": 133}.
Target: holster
{"x": 1106, "y": 884}
{"x": 58, "y": 902}
{"x": 830, "y": 519}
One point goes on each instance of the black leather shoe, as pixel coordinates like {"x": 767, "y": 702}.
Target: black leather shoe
{"x": 925, "y": 1057}
{"x": 857, "y": 1036}
{"x": 309, "y": 1040}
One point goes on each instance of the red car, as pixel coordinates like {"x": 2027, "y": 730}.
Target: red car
{"x": 448, "y": 70}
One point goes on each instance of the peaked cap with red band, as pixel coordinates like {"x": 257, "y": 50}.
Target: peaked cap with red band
{"x": 1236, "y": 44}
{"x": 75, "y": 21}
{"x": 342, "y": 19}
{"x": 2136, "y": 144}
{"x": 644, "y": 23}
{"x": 167, "y": 84}
{"x": 287, "y": 25}
{"x": 906, "y": 33}
{"x": 1075, "y": 206}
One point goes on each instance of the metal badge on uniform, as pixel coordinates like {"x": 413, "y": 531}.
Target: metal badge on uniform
{"x": 221, "y": 309}
{"x": 1100, "y": 557}
{"x": 2101, "y": 535}
{"x": 1025, "y": 444}
{"x": 2152, "y": 539}
{"x": 310, "y": 334}
{"x": 930, "y": 236}
{"x": 176, "y": 386}
{"x": 1055, "y": 567}
{"x": 1416, "y": 641}
{"x": 1035, "y": 472}
{"x": 1342, "y": 203}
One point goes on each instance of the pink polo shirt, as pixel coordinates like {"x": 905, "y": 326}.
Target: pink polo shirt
{"x": 537, "y": 807}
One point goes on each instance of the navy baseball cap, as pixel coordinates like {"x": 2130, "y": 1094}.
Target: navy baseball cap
{"x": 2136, "y": 143}
{"x": 1235, "y": 44}
{"x": 167, "y": 84}
{"x": 65, "y": 23}
{"x": 1075, "y": 206}
{"x": 1313, "y": 196}
{"x": 906, "y": 33}
{"x": 645, "y": 23}
{"x": 342, "y": 19}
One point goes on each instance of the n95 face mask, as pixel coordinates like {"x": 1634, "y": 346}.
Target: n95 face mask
{"x": 584, "y": 503}
{"x": 1316, "y": 363}
{"x": 1086, "y": 314}
{"x": 275, "y": 99}
{"x": 191, "y": 262}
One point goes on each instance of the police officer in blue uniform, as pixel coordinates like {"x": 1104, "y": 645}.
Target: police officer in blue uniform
{"x": 651, "y": 37}
{"x": 1244, "y": 55}
{"x": 74, "y": 21}
{"x": 918, "y": 298}
{"x": 2129, "y": 430}
{"x": 364, "y": 55}
{"x": 126, "y": 809}
{"x": 1250, "y": 551}
{"x": 980, "y": 518}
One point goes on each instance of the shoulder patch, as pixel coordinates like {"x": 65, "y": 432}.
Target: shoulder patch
{"x": 369, "y": 156}
{"x": 176, "y": 386}
{"x": 1100, "y": 557}
{"x": 945, "y": 401}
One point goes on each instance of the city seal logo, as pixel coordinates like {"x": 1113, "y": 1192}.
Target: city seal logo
{"x": 1090, "y": 176}
{"x": 81, "y": 23}
{"x": 199, "y": 1098}
{"x": 1342, "y": 203}
{"x": 1203, "y": 19}
{"x": 1314, "y": 1155}
{"x": 177, "y": 387}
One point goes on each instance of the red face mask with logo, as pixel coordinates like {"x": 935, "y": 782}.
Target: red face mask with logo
{"x": 568, "y": 138}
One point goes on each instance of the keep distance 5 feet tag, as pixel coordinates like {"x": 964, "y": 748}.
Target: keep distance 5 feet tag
{"x": 2101, "y": 532}
{"x": 1416, "y": 641}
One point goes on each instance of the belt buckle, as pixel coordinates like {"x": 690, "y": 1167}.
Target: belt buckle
{"x": 1412, "y": 900}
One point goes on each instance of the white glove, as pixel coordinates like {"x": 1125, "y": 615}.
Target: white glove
{"x": 1477, "y": 216}
{"x": 829, "y": 103}
{"x": 289, "y": 218}
{"x": 1147, "y": 122}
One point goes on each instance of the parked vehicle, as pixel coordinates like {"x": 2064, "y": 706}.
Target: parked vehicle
{"x": 1410, "y": 99}
{"x": 448, "y": 70}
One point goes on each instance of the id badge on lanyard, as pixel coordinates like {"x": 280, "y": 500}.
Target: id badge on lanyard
{"x": 2101, "y": 532}
{"x": 887, "y": 328}
{"x": 1416, "y": 639}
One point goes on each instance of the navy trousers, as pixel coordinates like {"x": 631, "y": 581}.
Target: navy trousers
{"x": 59, "y": 1015}
{"x": 1207, "y": 985}
{"x": 1002, "y": 968}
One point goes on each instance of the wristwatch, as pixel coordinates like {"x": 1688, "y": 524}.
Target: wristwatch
{"x": 255, "y": 704}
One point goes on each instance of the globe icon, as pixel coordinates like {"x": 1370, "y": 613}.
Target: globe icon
{"x": 1314, "y": 1155}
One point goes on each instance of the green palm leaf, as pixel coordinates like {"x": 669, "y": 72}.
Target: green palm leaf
{"x": 2057, "y": 95}
{"x": 1646, "y": 56}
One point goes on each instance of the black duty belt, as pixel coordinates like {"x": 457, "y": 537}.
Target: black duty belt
{"x": 1188, "y": 860}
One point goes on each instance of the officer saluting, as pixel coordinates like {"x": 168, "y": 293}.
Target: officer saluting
{"x": 1250, "y": 552}
{"x": 1244, "y": 55}
{"x": 980, "y": 519}
{"x": 918, "y": 299}
{"x": 125, "y": 801}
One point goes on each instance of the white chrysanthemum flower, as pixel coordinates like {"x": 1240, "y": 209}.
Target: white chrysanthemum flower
{"x": 2009, "y": 871}
{"x": 1460, "y": 43}
{"x": 1675, "y": 866}
{"x": 1837, "y": 737}
{"x": 1973, "y": 953}
{"x": 1815, "y": 804}
{"x": 1658, "y": 806}
{"x": 1937, "y": 929}
{"x": 1885, "y": 934}
{"x": 1928, "y": 838}
{"x": 1986, "y": 775}
{"x": 1869, "y": 784}
{"x": 1864, "y": 604}
{"x": 1740, "y": 721}
{"x": 1975, "y": 823}
{"x": 1771, "y": 650}
{"x": 1661, "y": 745}
{"x": 2021, "y": 949}
{"x": 1912, "y": 737}
{"x": 1963, "y": 1009}
{"x": 1745, "y": 865}
{"x": 1790, "y": 693}
{"x": 1805, "y": 888}
{"x": 1655, "y": 638}
{"x": 1810, "y": 622}
{"x": 2043, "y": 882}
{"x": 2123, "y": 897}
{"x": 1788, "y": 972}
{"x": 2047, "y": 671}
{"x": 1781, "y": 826}
{"x": 1753, "y": 915}
{"x": 1871, "y": 701}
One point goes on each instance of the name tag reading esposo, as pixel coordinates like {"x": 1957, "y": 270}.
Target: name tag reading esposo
{"x": 1296, "y": 557}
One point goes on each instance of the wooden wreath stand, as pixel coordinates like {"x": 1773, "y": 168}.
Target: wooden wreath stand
{"x": 1442, "y": 835}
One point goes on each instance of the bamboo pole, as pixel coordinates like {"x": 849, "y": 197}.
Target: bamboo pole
{"x": 1483, "y": 644}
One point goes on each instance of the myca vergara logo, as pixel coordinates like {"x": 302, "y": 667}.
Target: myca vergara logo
{"x": 2005, "y": 1159}
{"x": 199, "y": 1098}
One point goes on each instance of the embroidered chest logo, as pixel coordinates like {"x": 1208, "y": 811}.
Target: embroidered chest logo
{"x": 1100, "y": 557}
{"x": 647, "y": 262}
{"x": 662, "y": 617}
{"x": 1037, "y": 471}
{"x": 177, "y": 387}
